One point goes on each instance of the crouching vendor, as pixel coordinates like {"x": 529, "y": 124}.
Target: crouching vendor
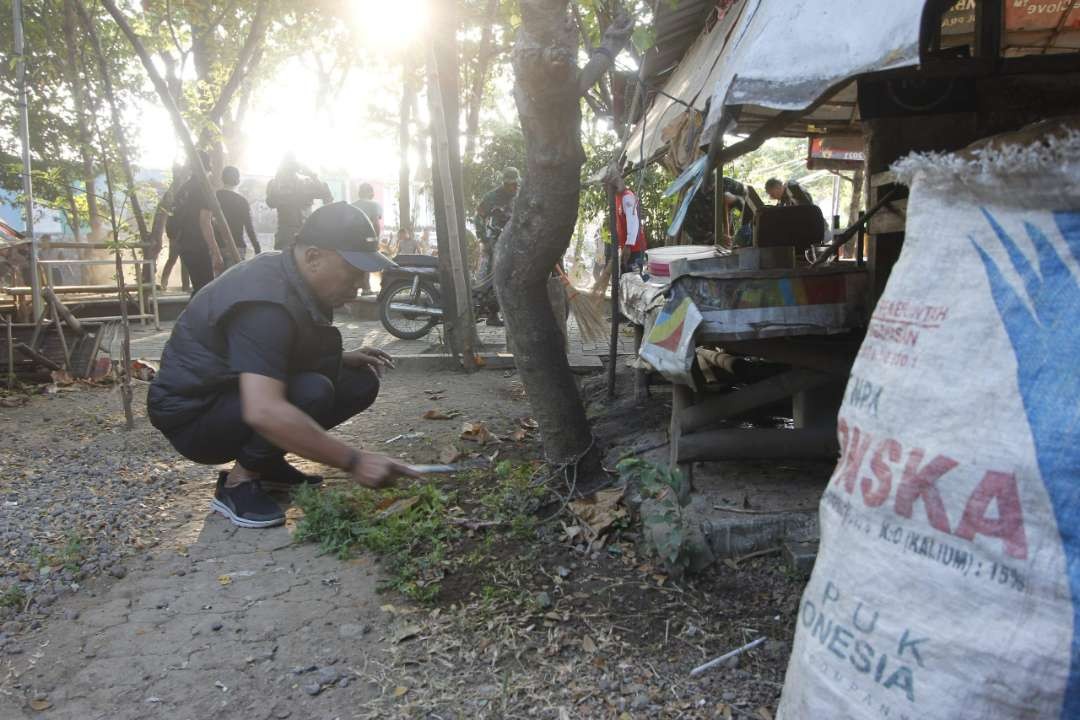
{"x": 254, "y": 368}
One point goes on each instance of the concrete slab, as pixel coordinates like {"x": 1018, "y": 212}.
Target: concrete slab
{"x": 800, "y": 556}
{"x": 747, "y": 506}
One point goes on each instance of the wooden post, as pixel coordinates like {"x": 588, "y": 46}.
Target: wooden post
{"x": 682, "y": 399}
{"x": 616, "y": 270}
{"x": 464, "y": 325}
{"x": 72, "y": 322}
{"x": 60, "y": 334}
{"x": 10, "y": 354}
{"x": 125, "y": 325}
{"x": 641, "y": 376}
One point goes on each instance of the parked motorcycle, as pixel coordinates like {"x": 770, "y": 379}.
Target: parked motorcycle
{"x": 410, "y": 302}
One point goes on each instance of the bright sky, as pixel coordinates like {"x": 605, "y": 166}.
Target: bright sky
{"x": 282, "y": 116}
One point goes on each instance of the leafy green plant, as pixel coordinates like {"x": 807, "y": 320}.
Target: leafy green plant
{"x": 664, "y": 526}
{"x": 13, "y": 597}
{"x": 407, "y": 527}
{"x": 515, "y": 498}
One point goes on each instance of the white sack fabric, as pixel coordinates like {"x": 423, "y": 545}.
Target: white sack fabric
{"x": 948, "y": 580}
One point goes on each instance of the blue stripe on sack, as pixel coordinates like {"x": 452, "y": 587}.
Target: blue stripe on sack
{"x": 1047, "y": 345}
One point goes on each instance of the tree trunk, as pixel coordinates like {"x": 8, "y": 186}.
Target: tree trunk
{"x": 78, "y": 95}
{"x": 119, "y": 139}
{"x": 856, "y": 195}
{"x": 548, "y": 96}
{"x": 476, "y": 95}
{"x": 408, "y": 97}
{"x": 179, "y": 126}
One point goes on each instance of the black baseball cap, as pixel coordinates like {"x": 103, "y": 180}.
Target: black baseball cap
{"x": 349, "y": 232}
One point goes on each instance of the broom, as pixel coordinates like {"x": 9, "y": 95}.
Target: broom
{"x": 588, "y": 307}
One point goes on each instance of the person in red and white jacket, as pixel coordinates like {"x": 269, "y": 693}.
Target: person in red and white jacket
{"x": 628, "y": 224}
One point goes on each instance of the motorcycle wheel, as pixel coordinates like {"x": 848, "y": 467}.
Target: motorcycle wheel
{"x": 404, "y": 325}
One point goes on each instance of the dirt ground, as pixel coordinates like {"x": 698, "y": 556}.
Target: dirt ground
{"x": 122, "y": 597}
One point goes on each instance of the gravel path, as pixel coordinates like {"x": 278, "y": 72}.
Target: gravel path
{"x": 122, "y": 597}
{"x": 79, "y": 495}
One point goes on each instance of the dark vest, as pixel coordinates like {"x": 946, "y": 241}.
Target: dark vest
{"x": 195, "y": 362}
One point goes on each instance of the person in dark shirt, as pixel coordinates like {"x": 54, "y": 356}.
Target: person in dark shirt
{"x": 193, "y": 233}
{"x": 291, "y": 192}
{"x": 789, "y": 193}
{"x": 237, "y": 212}
{"x": 254, "y": 368}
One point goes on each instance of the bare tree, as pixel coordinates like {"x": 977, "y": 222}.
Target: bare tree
{"x": 548, "y": 92}
{"x": 484, "y": 55}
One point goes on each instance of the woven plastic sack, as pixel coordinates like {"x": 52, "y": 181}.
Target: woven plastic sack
{"x": 948, "y": 580}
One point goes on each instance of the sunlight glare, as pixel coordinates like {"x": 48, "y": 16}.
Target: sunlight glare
{"x": 393, "y": 24}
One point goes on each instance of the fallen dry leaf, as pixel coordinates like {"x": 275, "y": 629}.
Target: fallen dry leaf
{"x": 528, "y": 423}
{"x": 225, "y": 580}
{"x": 450, "y": 454}
{"x": 398, "y": 506}
{"x": 61, "y": 378}
{"x": 764, "y": 714}
{"x": 588, "y": 645}
{"x": 477, "y": 432}
{"x": 600, "y": 511}
{"x": 400, "y": 691}
{"x": 406, "y": 632}
{"x": 519, "y": 435}
{"x": 440, "y": 415}
{"x": 40, "y": 704}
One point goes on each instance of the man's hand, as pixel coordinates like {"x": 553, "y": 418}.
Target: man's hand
{"x": 372, "y": 357}
{"x": 378, "y": 471}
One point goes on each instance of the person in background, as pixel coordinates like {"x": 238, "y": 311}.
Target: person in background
{"x": 367, "y": 204}
{"x": 193, "y": 232}
{"x": 291, "y": 192}
{"x": 237, "y": 212}
{"x": 499, "y": 200}
{"x": 789, "y": 193}
{"x": 168, "y": 205}
{"x": 425, "y": 242}
{"x": 628, "y": 225}
{"x": 406, "y": 243}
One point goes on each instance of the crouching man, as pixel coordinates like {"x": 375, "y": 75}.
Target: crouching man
{"x": 254, "y": 368}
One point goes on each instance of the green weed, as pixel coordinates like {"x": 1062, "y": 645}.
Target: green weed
{"x": 412, "y": 539}
{"x": 13, "y": 597}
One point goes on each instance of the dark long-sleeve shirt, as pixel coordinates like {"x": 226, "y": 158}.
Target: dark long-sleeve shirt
{"x": 238, "y": 215}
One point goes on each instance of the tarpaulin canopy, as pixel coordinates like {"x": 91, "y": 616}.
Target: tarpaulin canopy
{"x": 787, "y": 54}
{"x": 686, "y": 89}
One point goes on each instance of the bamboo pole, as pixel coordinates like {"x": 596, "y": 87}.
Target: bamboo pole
{"x": 464, "y": 323}
{"x": 179, "y": 125}
{"x": 125, "y": 324}
{"x": 24, "y": 135}
{"x": 10, "y": 354}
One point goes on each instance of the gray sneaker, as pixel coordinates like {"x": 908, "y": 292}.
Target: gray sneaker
{"x": 246, "y": 505}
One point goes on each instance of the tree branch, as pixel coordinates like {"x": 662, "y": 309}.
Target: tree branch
{"x": 603, "y": 57}
{"x": 178, "y": 124}
{"x": 252, "y": 43}
{"x": 117, "y": 126}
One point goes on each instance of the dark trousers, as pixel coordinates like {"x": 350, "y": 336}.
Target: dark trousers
{"x": 221, "y": 435}
{"x": 196, "y": 259}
